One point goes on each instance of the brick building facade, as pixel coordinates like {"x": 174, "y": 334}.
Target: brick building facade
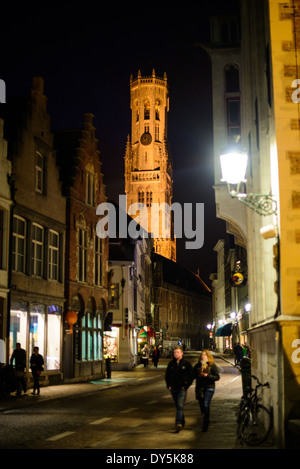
{"x": 86, "y": 254}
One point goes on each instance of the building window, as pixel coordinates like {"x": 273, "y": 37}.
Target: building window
{"x": 98, "y": 260}
{"x": 37, "y": 250}
{"x": 232, "y": 79}
{"x": 18, "y": 248}
{"x": 53, "y": 255}
{"x": 141, "y": 197}
{"x": 114, "y": 296}
{"x": 149, "y": 198}
{"x": 90, "y": 189}
{"x": 91, "y": 337}
{"x": 82, "y": 254}
{"x": 233, "y": 118}
{"x": 39, "y": 172}
{"x": 53, "y": 337}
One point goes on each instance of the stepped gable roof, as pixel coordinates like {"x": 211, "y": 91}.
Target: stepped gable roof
{"x": 66, "y": 144}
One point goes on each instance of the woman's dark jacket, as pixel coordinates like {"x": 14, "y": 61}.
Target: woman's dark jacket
{"x": 36, "y": 362}
{"x": 179, "y": 375}
{"x": 204, "y": 382}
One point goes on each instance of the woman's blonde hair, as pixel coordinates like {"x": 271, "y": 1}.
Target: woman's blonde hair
{"x": 210, "y": 358}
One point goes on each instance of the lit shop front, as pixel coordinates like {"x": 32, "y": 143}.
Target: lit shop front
{"x": 120, "y": 345}
{"x": 37, "y": 325}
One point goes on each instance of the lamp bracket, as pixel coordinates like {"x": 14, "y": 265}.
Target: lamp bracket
{"x": 263, "y": 204}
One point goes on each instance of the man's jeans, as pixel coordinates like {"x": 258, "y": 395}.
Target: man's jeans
{"x": 179, "y": 397}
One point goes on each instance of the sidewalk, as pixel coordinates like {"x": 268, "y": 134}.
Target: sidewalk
{"x": 118, "y": 378}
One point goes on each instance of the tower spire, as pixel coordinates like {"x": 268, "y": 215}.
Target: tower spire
{"x": 148, "y": 166}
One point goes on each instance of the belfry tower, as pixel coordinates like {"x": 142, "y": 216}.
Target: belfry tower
{"x": 148, "y": 166}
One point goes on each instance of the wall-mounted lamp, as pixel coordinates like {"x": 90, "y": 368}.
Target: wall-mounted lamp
{"x": 233, "y": 167}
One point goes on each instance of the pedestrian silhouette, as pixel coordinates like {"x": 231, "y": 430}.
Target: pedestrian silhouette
{"x": 206, "y": 374}
{"x": 36, "y": 365}
{"x": 179, "y": 377}
{"x": 19, "y": 357}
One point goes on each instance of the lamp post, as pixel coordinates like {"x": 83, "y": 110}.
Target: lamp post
{"x": 233, "y": 167}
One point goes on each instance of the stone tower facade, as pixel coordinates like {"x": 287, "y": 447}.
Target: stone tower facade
{"x": 148, "y": 165}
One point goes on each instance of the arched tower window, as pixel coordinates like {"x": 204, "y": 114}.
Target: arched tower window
{"x": 141, "y": 197}
{"x": 147, "y": 109}
{"x": 137, "y": 112}
{"x": 157, "y": 107}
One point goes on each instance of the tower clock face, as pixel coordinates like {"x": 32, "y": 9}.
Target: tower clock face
{"x": 146, "y": 139}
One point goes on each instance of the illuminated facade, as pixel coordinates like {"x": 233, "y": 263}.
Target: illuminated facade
{"x": 148, "y": 166}
{"x": 266, "y": 118}
{"x": 37, "y": 233}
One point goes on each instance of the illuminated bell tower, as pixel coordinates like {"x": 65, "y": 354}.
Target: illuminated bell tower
{"x": 148, "y": 166}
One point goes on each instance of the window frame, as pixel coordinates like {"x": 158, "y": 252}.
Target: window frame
{"x": 37, "y": 260}
{"x": 15, "y": 245}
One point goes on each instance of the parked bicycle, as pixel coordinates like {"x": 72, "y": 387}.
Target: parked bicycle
{"x": 254, "y": 420}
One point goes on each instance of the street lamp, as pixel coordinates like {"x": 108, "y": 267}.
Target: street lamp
{"x": 233, "y": 167}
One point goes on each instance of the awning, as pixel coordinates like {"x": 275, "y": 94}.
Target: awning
{"x": 146, "y": 331}
{"x": 224, "y": 331}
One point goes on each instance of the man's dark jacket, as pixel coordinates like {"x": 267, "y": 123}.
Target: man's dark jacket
{"x": 179, "y": 375}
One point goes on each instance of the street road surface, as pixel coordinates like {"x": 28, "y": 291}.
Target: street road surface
{"x": 136, "y": 416}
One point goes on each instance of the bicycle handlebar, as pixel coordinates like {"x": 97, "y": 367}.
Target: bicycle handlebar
{"x": 259, "y": 383}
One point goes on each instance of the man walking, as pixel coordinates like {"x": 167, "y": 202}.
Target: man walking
{"x": 19, "y": 356}
{"x": 179, "y": 377}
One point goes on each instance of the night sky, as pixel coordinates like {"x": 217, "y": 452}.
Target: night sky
{"x": 86, "y": 56}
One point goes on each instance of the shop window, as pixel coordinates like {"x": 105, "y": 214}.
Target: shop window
{"x": 91, "y": 337}
{"x": 111, "y": 344}
{"x": 54, "y": 337}
{"x": 18, "y": 325}
{"x": 37, "y": 328}
{"x": 18, "y": 244}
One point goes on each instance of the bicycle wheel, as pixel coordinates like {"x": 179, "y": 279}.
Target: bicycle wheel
{"x": 254, "y": 429}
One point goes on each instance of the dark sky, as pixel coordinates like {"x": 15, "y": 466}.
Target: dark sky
{"x": 86, "y": 56}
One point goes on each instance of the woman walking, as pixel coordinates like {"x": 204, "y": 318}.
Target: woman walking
{"x": 206, "y": 374}
{"x": 36, "y": 365}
